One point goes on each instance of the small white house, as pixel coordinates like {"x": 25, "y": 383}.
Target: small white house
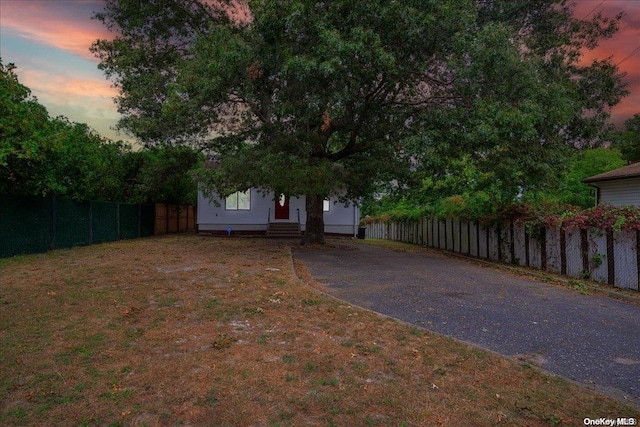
{"x": 252, "y": 212}
{"x": 619, "y": 187}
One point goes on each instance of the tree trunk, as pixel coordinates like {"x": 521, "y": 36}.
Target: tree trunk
{"x": 314, "y": 232}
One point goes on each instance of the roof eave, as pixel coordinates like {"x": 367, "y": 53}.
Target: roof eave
{"x": 612, "y": 178}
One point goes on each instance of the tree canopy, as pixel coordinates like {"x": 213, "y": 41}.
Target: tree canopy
{"x": 42, "y": 156}
{"x": 526, "y": 102}
{"x": 318, "y": 98}
{"x": 628, "y": 140}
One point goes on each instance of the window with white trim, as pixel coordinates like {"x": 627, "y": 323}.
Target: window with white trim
{"x": 238, "y": 201}
{"x": 325, "y": 205}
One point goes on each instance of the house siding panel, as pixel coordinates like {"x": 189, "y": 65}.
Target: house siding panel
{"x": 209, "y": 213}
{"x": 620, "y": 192}
{"x": 340, "y": 219}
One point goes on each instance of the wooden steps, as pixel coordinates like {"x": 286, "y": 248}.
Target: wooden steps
{"x": 283, "y": 230}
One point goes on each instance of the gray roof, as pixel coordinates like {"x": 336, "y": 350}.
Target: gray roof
{"x": 625, "y": 172}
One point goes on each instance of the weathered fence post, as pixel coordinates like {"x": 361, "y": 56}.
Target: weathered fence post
{"x": 606, "y": 256}
{"x": 611, "y": 270}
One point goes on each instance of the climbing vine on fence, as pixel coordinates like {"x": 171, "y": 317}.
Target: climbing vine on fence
{"x": 604, "y": 216}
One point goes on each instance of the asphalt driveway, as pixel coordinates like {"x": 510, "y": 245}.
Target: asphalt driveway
{"x": 591, "y": 339}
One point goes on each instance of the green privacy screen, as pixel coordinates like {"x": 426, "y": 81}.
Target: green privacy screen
{"x": 72, "y": 225}
{"x": 104, "y": 224}
{"x": 22, "y": 228}
{"x": 129, "y": 224}
{"x": 33, "y": 224}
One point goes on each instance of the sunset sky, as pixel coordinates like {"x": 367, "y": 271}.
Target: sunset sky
{"x": 48, "y": 41}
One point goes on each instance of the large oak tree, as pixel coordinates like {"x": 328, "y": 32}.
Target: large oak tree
{"x": 318, "y": 98}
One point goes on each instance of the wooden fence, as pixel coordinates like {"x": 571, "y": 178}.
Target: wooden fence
{"x": 174, "y": 218}
{"x": 611, "y": 257}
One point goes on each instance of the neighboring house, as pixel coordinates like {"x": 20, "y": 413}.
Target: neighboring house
{"x": 252, "y": 212}
{"x": 619, "y": 187}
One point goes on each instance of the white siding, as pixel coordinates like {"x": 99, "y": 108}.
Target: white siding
{"x": 210, "y": 214}
{"x": 339, "y": 219}
{"x": 620, "y": 192}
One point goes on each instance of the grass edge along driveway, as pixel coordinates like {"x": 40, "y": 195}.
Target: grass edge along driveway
{"x": 197, "y": 330}
{"x": 590, "y": 338}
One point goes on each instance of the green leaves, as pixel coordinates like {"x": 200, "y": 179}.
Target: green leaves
{"x": 483, "y": 100}
{"x": 44, "y": 156}
{"x": 628, "y": 140}
{"x": 581, "y": 165}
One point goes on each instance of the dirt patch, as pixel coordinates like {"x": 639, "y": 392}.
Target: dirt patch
{"x": 191, "y": 330}
{"x": 534, "y": 359}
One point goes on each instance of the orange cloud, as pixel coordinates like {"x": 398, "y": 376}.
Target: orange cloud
{"x": 58, "y": 90}
{"x": 81, "y": 100}
{"x": 621, "y": 48}
{"x": 67, "y": 25}
{"x": 68, "y": 28}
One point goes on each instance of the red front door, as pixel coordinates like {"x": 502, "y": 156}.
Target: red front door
{"x": 282, "y": 207}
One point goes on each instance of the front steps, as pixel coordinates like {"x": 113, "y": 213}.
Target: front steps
{"x": 283, "y": 230}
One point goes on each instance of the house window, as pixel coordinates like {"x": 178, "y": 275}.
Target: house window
{"x": 325, "y": 205}
{"x": 239, "y": 201}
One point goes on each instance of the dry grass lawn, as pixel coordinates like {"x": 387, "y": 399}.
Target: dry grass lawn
{"x": 203, "y": 331}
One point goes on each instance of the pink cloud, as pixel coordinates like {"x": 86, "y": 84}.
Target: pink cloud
{"x": 82, "y": 100}
{"x": 64, "y": 90}
{"x": 62, "y": 25}
{"x": 67, "y": 25}
{"x": 620, "y": 48}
